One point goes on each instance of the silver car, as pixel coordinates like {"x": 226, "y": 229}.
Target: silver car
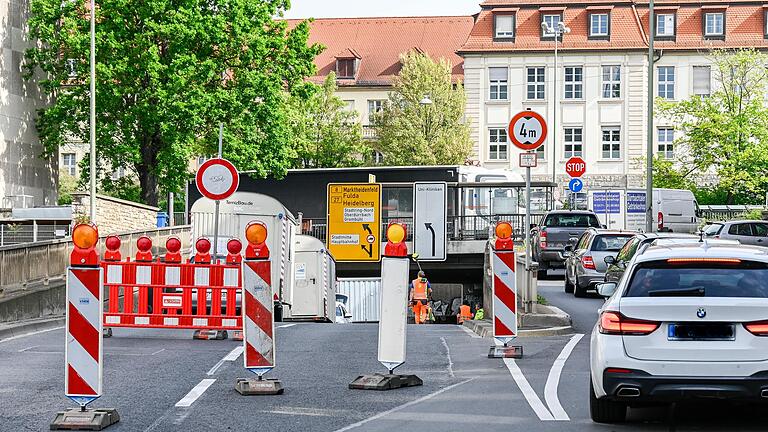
{"x": 748, "y": 232}
{"x": 585, "y": 263}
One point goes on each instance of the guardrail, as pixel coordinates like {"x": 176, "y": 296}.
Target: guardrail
{"x": 43, "y": 261}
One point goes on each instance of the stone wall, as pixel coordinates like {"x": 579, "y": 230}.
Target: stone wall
{"x": 114, "y": 215}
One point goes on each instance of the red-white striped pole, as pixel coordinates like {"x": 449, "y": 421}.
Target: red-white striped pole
{"x": 83, "y": 349}
{"x": 504, "y": 292}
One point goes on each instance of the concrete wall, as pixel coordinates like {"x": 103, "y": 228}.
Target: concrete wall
{"x": 114, "y": 215}
{"x": 22, "y": 171}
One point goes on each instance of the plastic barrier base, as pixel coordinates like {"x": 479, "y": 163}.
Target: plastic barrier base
{"x": 385, "y": 382}
{"x": 90, "y": 419}
{"x": 255, "y": 386}
{"x": 511, "y": 351}
{"x": 210, "y": 334}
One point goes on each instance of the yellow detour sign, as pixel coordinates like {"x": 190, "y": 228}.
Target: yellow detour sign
{"x": 354, "y": 218}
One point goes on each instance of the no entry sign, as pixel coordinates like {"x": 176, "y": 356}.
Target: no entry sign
{"x": 575, "y": 167}
{"x": 217, "y": 179}
{"x": 527, "y": 130}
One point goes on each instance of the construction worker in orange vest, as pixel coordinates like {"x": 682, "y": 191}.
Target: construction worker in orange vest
{"x": 421, "y": 290}
{"x": 465, "y": 313}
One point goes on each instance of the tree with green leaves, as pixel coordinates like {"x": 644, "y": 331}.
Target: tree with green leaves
{"x": 725, "y": 134}
{"x": 422, "y": 123}
{"x": 326, "y": 135}
{"x": 168, "y": 71}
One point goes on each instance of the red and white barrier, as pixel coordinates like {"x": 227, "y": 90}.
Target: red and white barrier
{"x": 504, "y": 296}
{"x": 83, "y": 348}
{"x": 259, "y": 329}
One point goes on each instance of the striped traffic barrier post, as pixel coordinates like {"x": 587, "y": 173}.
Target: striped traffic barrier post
{"x": 258, "y": 315}
{"x": 83, "y": 349}
{"x": 504, "y": 291}
{"x": 393, "y": 316}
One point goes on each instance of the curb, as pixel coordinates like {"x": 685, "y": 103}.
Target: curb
{"x": 485, "y": 329}
{"x": 21, "y": 328}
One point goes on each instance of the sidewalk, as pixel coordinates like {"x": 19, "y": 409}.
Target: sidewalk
{"x": 548, "y": 321}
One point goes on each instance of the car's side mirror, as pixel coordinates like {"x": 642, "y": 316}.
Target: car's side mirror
{"x": 606, "y": 289}
{"x": 603, "y": 226}
{"x": 610, "y": 260}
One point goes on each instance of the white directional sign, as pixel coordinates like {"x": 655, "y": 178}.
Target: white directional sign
{"x": 430, "y": 208}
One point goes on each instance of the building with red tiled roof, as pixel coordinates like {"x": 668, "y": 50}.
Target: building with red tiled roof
{"x": 365, "y": 52}
{"x": 601, "y": 92}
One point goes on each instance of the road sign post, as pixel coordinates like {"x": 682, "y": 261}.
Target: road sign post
{"x": 430, "y": 220}
{"x": 217, "y": 179}
{"x": 354, "y": 221}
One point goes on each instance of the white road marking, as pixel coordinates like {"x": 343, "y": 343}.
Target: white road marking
{"x": 158, "y": 351}
{"x": 448, "y": 354}
{"x": 471, "y": 333}
{"x": 195, "y": 393}
{"x": 550, "y": 389}
{"x": 30, "y": 334}
{"x": 232, "y": 356}
{"x": 403, "y": 406}
{"x": 525, "y": 387}
{"x": 28, "y": 348}
{"x": 287, "y": 325}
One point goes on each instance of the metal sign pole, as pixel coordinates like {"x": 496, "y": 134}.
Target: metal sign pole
{"x": 528, "y": 248}
{"x": 216, "y": 211}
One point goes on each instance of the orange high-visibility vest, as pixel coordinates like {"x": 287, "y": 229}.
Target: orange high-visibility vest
{"x": 419, "y": 289}
{"x": 465, "y": 312}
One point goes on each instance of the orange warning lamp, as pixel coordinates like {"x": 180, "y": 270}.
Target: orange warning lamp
{"x": 396, "y": 234}
{"x": 504, "y": 236}
{"x": 234, "y": 247}
{"x": 203, "y": 247}
{"x": 256, "y": 234}
{"x": 113, "y": 248}
{"x": 144, "y": 245}
{"x": 84, "y": 237}
{"x": 173, "y": 248}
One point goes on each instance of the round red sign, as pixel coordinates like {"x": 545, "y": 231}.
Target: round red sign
{"x": 527, "y": 130}
{"x": 575, "y": 167}
{"x": 217, "y": 179}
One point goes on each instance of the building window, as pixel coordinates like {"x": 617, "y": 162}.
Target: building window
{"x": 574, "y": 82}
{"x": 598, "y": 25}
{"x": 573, "y": 142}
{"x": 498, "y": 77}
{"x": 535, "y": 82}
{"x": 540, "y": 152}
{"x": 505, "y": 26}
{"x": 552, "y": 21}
{"x": 666, "y": 138}
{"x": 714, "y": 24}
{"x": 611, "y": 82}
{"x": 702, "y": 81}
{"x": 665, "y": 24}
{"x": 378, "y": 157}
{"x": 374, "y": 107}
{"x": 69, "y": 163}
{"x": 611, "y": 142}
{"x": 497, "y": 149}
{"x": 345, "y": 68}
{"x": 667, "y": 82}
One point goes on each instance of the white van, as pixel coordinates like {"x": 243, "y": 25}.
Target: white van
{"x": 313, "y": 292}
{"x": 235, "y": 213}
{"x": 676, "y": 210}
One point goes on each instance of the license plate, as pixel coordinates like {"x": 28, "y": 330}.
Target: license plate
{"x": 701, "y": 332}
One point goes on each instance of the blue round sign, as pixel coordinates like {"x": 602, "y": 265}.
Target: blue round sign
{"x": 575, "y": 185}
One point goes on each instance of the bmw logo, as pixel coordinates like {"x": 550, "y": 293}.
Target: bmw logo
{"x": 701, "y": 313}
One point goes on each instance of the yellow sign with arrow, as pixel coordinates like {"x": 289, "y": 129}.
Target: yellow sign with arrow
{"x": 354, "y": 221}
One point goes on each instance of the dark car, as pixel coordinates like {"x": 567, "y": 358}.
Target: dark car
{"x": 548, "y": 239}
{"x": 585, "y": 263}
{"x": 617, "y": 265}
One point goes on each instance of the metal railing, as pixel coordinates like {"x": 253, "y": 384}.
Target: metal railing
{"x": 14, "y": 233}
{"x": 727, "y": 212}
{"x": 42, "y": 261}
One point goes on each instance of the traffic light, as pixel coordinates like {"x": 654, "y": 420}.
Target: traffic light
{"x": 84, "y": 237}
{"x": 396, "y": 247}
{"x": 504, "y": 236}
{"x": 256, "y": 234}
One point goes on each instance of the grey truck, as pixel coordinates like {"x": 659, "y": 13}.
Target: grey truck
{"x": 548, "y": 238}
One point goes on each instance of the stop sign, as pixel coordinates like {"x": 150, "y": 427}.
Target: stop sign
{"x": 575, "y": 167}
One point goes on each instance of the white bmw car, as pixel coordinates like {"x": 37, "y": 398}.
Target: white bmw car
{"x": 686, "y": 321}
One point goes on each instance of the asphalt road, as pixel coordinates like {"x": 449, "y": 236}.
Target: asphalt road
{"x": 148, "y": 373}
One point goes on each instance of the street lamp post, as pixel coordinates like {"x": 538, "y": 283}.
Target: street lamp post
{"x": 558, "y": 32}
{"x": 93, "y": 113}
{"x": 426, "y": 102}
{"x": 649, "y": 143}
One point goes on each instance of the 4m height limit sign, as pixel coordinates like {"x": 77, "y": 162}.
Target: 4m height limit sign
{"x": 354, "y": 221}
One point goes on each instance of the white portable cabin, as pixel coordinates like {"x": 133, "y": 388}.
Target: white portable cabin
{"x": 313, "y": 293}
{"x": 235, "y": 213}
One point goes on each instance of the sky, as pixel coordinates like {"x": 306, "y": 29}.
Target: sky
{"x": 374, "y": 8}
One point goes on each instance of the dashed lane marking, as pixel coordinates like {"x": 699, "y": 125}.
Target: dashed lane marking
{"x": 232, "y": 356}
{"x": 471, "y": 333}
{"x": 195, "y": 393}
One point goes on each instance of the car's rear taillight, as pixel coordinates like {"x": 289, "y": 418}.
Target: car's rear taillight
{"x": 617, "y": 324}
{"x": 588, "y": 262}
{"x": 660, "y": 221}
{"x": 757, "y": 328}
{"x": 543, "y": 239}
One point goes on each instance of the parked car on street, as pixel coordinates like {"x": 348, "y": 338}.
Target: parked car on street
{"x": 342, "y": 314}
{"x": 618, "y": 264}
{"x": 687, "y": 322}
{"x": 549, "y": 238}
{"x": 748, "y": 232}
{"x": 585, "y": 258}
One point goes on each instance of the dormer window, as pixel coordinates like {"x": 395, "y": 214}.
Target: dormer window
{"x": 714, "y": 24}
{"x": 504, "y": 26}
{"x": 345, "y": 68}
{"x": 552, "y": 20}
{"x": 665, "y": 25}
{"x": 598, "y": 25}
